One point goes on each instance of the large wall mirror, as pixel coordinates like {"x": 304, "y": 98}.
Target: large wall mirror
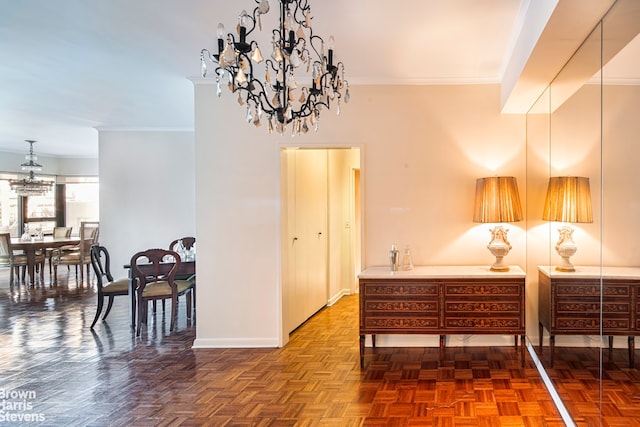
{"x": 584, "y": 131}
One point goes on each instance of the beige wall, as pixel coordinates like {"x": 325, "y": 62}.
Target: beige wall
{"x": 422, "y": 148}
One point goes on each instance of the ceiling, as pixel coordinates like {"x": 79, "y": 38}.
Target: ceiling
{"x": 72, "y": 67}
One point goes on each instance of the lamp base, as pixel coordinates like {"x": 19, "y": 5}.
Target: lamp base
{"x": 565, "y": 265}
{"x": 565, "y": 247}
{"x": 499, "y": 265}
{"x": 499, "y": 246}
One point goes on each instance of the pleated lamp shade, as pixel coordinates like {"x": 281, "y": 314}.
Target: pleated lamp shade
{"x": 568, "y": 200}
{"x": 497, "y": 200}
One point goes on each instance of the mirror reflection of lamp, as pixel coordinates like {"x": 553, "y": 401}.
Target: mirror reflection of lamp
{"x": 497, "y": 201}
{"x": 568, "y": 200}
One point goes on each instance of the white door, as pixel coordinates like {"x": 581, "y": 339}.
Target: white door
{"x": 306, "y": 243}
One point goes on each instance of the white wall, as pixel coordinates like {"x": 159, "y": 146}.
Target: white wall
{"x": 147, "y": 191}
{"x": 423, "y": 148}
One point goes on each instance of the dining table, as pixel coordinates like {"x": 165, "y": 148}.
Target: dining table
{"x": 185, "y": 268}
{"x": 33, "y": 245}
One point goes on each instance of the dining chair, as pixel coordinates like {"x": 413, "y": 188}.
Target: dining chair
{"x": 107, "y": 286}
{"x": 182, "y": 246}
{"x": 80, "y": 255}
{"x": 58, "y": 232}
{"x": 9, "y": 258}
{"x": 155, "y": 270}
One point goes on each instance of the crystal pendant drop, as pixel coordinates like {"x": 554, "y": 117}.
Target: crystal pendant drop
{"x": 295, "y": 59}
{"x": 307, "y": 19}
{"x": 203, "y": 66}
{"x": 229, "y": 56}
{"x": 263, "y": 7}
{"x": 302, "y": 98}
{"x": 300, "y": 32}
{"x": 347, "y": 97}
{"x": 256, "y": 121}
{"x": 218, "y": 87}
{"x": 256, "y": 55}
{"x": 249, "y": 116}
{"x": 240, "y": 100}
{"x": 270, "y": 124}
{"x": 338, "y": 109}
{"x": 305, "y": 127}
{"x": 292, "y": 82}
{"x": 267, "y": 76}
{"x": 241, "y": 77}
{"x": 277, "y": 55}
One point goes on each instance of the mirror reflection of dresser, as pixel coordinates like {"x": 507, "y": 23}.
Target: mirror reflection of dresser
{"x": 589, "y": 301}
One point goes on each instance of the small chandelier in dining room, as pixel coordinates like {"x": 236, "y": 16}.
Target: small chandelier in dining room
{"x": 297, "y": 54}
{"x": 31, "y": 186}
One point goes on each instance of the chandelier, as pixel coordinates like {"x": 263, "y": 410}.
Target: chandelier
{"x": 297, "y": 54}
{"x": 31, "y": 186}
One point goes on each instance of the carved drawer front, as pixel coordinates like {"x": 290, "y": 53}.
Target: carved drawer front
{"x": 403, "y": 307}
{"x": 400, "y": 289}
{"x": 484, "y": 307}
{"x": 578, "y": 306}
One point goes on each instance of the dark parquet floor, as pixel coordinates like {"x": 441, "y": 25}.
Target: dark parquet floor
{"x": 55, "y": 369}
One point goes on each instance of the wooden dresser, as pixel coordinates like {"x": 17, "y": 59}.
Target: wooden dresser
{"x": 569, "y": 303}
{"x": 442, "y": 301}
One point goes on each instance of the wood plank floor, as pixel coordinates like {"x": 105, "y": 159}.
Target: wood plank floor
{"x": 72, "y": 376}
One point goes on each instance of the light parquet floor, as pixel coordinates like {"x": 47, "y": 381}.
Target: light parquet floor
{"x": 108, "y": 377}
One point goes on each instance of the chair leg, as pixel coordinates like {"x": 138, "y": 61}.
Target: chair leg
{"x": 109, "y": 305}
{"x": 188, "y": 297}
{"x": 141, "y": 309}
{"x": 174, "y": 304}
{"x": 98, "y": 310}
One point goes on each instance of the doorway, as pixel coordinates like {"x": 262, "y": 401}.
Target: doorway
{"x": 321, "y": 246}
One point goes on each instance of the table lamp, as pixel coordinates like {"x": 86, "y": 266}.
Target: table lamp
{"x": 568, "y": 200}
{"x": 497, "y": 201}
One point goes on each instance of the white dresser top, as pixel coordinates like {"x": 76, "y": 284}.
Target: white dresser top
{"x": 589, "y": 272}
{"x": 440, "y": 272}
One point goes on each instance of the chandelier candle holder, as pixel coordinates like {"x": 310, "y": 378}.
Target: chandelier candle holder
{"x": 31, "y": 186}
{"x": 298, "y": 55}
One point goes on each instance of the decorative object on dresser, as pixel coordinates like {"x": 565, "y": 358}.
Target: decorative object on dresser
{"x": 568, "y": 200}
{"x": 442, "y": 301}
{"x": 589, "y": 301}
{"x": 497, "y": 201}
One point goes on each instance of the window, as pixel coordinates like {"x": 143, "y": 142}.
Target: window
{"x": 8, "y": 209}
{"x": 81, "y": 204}
{"x": 40, "y": 212}
{"x": 70, "y": 203}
